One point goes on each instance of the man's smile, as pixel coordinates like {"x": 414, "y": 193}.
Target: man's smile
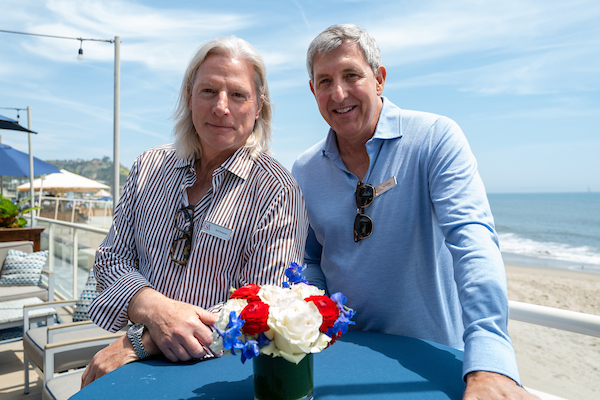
{"x": 344, "y": 110}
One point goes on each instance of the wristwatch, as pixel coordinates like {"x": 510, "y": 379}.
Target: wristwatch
{"x": 134, "y": 333}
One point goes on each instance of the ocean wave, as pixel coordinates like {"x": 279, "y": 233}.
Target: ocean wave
{"x": 513, "y": 243}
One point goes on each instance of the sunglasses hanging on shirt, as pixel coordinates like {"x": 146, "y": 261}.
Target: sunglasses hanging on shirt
{"x": 363, "y": 224}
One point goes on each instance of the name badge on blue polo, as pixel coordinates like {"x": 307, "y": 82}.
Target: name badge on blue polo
{"x": 385, "y": 186}
{"x": 216, "y": 230}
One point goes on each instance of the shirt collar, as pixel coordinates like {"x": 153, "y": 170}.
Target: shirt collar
{"x": 239, "y": 164}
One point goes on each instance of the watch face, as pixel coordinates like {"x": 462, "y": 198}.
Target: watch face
{"x": 136, "y": 329}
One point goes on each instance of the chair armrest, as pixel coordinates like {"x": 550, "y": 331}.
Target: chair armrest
{"x": 47, "y": 304}
{"x": 51, "y": 349}
{"x": 50, "y": 275}
{"x": 70, "y": 327}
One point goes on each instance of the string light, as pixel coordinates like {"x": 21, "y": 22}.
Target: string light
{"x": 80, "y": 55}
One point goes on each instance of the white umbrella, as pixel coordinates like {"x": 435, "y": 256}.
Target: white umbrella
{"x": 102, "y": 193}
{"x": 63, "y": 182}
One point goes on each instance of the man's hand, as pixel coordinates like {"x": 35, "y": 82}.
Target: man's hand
{"x": 180, "y": 330}
{"x": 117, "y": 354}
{"x": 482, "y": 385}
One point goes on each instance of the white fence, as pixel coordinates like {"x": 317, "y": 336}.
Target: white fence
{"x": 565, "y": 320}
{"x": 83, "y": 211}
{"x": 73, "y": 247}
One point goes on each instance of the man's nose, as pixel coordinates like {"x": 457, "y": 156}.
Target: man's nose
{"x": 339, "y": 92}
{"x": 222, "y": 106}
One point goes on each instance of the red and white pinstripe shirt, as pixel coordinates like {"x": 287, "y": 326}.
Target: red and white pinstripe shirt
{"x": 258, "y": 200}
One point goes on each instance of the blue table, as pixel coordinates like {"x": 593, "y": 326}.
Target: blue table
{"x": 362, "y": 365}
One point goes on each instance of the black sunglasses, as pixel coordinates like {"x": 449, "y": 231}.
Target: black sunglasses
{"x": 188, "y": 220}
{"x": 363, "y": 224}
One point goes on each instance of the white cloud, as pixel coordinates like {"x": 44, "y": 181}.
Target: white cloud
{"x": 158, "y": 38}
{"x": 443, "y": 29}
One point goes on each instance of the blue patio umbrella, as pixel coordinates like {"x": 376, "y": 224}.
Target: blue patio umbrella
{"x": 16, "y": 163}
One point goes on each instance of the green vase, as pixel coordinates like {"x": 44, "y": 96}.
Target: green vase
{"x": 275, "y": 378}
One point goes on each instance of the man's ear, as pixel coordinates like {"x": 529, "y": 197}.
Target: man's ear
{"x": 380, "y": 78}
{"x": 262, "y": 101}
{"x": 312, "y": 88}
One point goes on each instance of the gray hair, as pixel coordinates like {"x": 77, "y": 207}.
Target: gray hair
{"x": 186, "y": 138}
{"x": 333, "y": 37}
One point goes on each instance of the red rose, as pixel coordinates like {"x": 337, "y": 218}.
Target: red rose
{"x": 328, "y": 310}
{"x": 248, "y": 292}
{"x": 255, "y": 315}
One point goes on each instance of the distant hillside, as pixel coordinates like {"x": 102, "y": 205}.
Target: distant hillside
{"x": 99, "y": 170}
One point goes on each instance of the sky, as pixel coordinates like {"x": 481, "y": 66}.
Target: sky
{"x": 521, "y": 77}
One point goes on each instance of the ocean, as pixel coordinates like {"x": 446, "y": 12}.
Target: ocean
{"x": 553, "y": 230}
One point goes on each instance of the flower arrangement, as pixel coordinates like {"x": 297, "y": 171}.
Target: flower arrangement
{"x": 288, "y": 322}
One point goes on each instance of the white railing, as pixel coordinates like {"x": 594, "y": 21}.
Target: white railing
{"x": 73, "y": 209}
{"x": 75, "y": 230}
{"x": 565, "y": 320}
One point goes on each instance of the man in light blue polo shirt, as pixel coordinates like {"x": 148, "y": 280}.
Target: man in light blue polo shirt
{"x": 399, "y": 219}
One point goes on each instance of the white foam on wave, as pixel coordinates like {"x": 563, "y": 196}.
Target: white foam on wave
{"x": 513, "y": 243}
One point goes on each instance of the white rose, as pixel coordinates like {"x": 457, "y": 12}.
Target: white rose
{"x": 273, "y": 294}
{"x": 236, "y": 305}
{"x": 303, "y": 290}
{"x": 294, "y": 329}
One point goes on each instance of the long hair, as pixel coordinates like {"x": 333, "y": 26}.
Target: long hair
{"x": 333, "y": 37}
{"x": 187, "y": 142}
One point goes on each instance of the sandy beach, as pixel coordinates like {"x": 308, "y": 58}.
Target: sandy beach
{"x": 561, "y": 363}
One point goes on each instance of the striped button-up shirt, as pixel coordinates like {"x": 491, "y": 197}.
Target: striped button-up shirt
{"x": 256, "y": 200}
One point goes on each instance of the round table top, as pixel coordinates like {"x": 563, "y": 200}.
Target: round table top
{"x": 361, "y": 365}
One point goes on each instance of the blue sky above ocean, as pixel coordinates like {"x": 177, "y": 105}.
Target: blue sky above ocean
{"x": 519, "y": 76}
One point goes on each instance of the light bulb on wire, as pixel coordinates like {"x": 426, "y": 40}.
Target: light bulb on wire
{"x": 80, "y": 55}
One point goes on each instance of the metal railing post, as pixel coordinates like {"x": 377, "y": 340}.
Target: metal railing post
{"x": 51, "y": 248}
{"x": 75, "y": 261}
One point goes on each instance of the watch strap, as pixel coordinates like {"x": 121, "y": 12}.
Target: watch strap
{"x": 134, "y": 333}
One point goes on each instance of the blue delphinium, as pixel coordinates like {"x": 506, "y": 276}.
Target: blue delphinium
{"x": 231, "y": 333}
{"x": 294, "y": 274}
{"x": 346, "y": 314}
{"x": 251, "y": 349}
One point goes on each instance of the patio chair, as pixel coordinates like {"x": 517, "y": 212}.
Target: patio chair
{"x": 37, "y": 340}
{"x": 8, "y": 293}
{"x": 64, "y": 385}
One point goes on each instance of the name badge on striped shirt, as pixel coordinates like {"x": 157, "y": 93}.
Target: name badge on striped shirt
{"x": 216, "y": 230}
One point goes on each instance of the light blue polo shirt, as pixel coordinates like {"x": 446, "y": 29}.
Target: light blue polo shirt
{"x": 432, "y": 268}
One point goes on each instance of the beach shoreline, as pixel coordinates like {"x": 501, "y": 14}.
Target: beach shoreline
{"x": 560, "y": 363}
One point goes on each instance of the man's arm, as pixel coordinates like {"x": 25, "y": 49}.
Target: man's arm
{"x": 463, "y": 214}
{"x": 116, "y": 263}
{"x": 178, "y": 330}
